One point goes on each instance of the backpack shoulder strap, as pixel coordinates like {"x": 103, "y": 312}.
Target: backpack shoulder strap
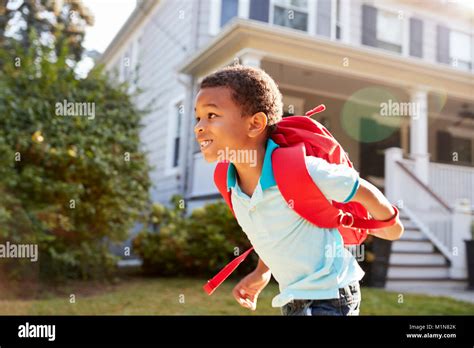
{"x": 299, "y": 189}
{"x": 220, "y": 179}
{"x": 303, "y": 195}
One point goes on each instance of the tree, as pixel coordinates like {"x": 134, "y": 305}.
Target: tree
{"x": 71, "y": 181}
{"x": 58, "y": 23}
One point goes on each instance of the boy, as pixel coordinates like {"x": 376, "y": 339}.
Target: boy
{"x": 237, "y": 108}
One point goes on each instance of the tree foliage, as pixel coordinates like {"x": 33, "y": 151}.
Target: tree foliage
{"x": 58, "y": 24}
{"x": 71, "y": 183}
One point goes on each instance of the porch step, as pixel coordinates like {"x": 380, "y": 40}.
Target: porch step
{"x": 406, "y": 244}
{"x": 412, "y": 233}
{"x": 417, "y": 271}
{"x": 435, "y": 259}
{"x": 408, "y": 224}
{"x": 404, "y": 283}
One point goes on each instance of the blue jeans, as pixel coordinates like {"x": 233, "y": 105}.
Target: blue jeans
{"x": 348, "y": 303}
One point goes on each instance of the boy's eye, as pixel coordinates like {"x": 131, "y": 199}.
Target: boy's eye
{"x": 210, "y": 115}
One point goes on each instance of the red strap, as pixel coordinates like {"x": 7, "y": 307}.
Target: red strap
{"x": 220, "y": 179}
{"x": 299, "y": 189}
{"x": 225, "y": 273}
{"x": 309, "y": 202}
{"x": 368, "y": 224}
{"x": 316, "y": 110}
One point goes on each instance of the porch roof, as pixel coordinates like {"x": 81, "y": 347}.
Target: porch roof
{"x": 280, "y": 44}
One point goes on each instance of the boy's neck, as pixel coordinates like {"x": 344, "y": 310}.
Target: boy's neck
{"x": 248, "y": 174}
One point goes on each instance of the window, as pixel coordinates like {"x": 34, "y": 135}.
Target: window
{"x": 389, "y": 31}
{"x": 229, "y": 10}
{"x": 291, "y": 13}
{"x": 338, "y": 20}
{"x": 460, "y": 50}
{"x": 173, "y": 135}
{"x": 177, "y": 132}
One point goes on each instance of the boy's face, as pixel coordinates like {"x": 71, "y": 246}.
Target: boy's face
{"x": 219, "y": 123}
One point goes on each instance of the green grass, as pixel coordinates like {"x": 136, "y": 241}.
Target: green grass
{"x": 159, "y": 296}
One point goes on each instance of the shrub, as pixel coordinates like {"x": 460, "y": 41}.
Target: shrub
{"x": 197, "y": 245}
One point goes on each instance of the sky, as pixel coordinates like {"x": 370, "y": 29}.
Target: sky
{"x": 109, "y": 16}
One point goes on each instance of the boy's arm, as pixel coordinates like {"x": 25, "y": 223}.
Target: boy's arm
{"x": 262, "y": 268}
{"x": 379, "y": 208}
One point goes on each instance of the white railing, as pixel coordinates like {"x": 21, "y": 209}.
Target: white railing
{"x": 452, "y": 182}
{"x": 426, "y": 209}
{"x": 446, "y": 225}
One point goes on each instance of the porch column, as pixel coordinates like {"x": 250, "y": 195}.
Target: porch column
{"x": 251, "y": 59}
{"x": 419, "y": 133}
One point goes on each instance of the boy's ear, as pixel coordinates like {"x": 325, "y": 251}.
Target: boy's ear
{"x": 257, "y": 124}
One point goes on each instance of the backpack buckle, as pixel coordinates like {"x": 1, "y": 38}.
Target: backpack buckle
{"x": 344, "y": 224}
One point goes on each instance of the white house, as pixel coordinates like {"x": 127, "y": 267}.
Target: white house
{"x": 397, "y": 78}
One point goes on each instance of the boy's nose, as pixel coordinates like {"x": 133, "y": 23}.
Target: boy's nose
{"x": 198, "y": 128}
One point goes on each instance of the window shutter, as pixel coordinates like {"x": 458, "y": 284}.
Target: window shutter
{"x": 259, "y": 10}
{"x": 416, "y": 37}
{"x": 323, "y": 22}
{"x": 369, "y": 25}
{"x": 229, "y": 10}
{"x": 442, "y": 47}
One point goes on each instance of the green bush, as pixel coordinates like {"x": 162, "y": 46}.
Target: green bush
{"x": 196, "y": 245}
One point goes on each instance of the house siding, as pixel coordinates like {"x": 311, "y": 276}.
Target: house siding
{"x": 167, "y": 40}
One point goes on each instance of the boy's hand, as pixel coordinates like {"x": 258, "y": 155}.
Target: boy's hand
{"x": 247, "y": 290}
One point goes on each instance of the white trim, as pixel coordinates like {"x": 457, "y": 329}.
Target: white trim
{"x": 244, "y": 8}
{"x": 333, "y": 23}
{"x": 171, "y": 131}
{"x": 345, "y": 21}
{"x": 215, "y": 17}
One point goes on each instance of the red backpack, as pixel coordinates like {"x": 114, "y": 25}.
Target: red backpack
{"x": 300, "y": 136}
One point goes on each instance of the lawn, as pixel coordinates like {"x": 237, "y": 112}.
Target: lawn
{"x": 159, "y": 296}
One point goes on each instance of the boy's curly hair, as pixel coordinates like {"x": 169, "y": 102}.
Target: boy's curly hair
{"x": 253, "y": 89}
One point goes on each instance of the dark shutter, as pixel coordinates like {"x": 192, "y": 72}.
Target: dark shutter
{"x": 416, "y": 37}
{"x": 442, "y": 47}
{"x": 259, "y": 10}
{"x": 323, "y": 22}
{"x": 229, "y": 10}
{"x": 444, "y": 146}
{"x": 369, "y": 25}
